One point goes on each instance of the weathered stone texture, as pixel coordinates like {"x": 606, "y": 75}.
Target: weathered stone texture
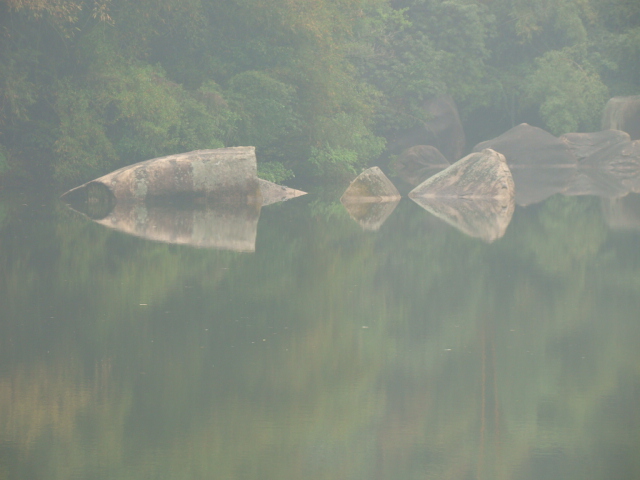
{"x": 273, "y": 193}
{"x": 224, "y": 174}
{"x": 478, "y": 175}
{"x": 475, "y": 195}
{"x": 372, "y": 185}
{"x": 584, "y": 145}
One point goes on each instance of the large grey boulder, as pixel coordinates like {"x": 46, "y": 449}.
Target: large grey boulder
{"x": 475, "y": 195}
{"x": 541, "y": 164}
{"x": 482, "y": 174}
{"x": 623, "y": 113}
{"x": 223, "y": 174}
{"x": 584, "y": 145}
{"x": 418, "y": 163}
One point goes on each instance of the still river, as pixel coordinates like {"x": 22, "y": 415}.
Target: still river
{"x": 329, "y": 352}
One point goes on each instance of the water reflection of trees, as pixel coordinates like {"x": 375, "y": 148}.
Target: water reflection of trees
{"x": 477, "y": 360}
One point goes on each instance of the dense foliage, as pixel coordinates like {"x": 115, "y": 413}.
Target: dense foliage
{"x": 316, "y": 85}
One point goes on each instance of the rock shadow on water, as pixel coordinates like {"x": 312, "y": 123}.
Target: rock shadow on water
{"x": 370, "y": 199}
{"x": 486, "y": 219}
{"x": 181, "y": 219}
{"x": 476, "y": 195}
{"x": 371, "y": 215}
{"x": 622, "y": 213}
{"x": 608, "y": 164}
{"x": 226, "y": 226}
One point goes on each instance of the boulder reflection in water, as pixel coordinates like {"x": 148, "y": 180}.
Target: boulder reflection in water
{"x": 225, "y": 226}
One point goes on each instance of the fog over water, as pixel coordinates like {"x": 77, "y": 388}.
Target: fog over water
{"x": 487, "y": 334}
{"x": 414, "y": 351}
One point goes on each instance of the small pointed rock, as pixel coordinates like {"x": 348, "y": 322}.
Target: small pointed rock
{"x": 370, "y": 198}
{"x": 372, "y": 185}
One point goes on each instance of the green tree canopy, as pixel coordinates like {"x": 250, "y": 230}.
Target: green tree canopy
{"x": 316, "y": 85}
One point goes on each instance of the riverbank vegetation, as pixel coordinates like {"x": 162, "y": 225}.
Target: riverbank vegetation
{"x": 317, "y": 86}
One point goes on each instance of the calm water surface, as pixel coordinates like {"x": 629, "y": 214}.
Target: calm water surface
{"x": 412, "y": 352}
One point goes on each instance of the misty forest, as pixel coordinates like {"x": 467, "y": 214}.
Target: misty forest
{"x": 489, "y": 337}
{"x": 320, "y": 87}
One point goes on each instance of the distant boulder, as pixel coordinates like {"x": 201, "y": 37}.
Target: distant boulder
{"x": 541, "y": 164}
{"x": 584, "y": 145}
{"x": 418, "y": 163}
{"x": 441, "y": 129}
{"x": 623, "y": 113}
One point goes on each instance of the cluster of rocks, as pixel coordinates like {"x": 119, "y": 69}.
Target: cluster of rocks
{"x": 525, "y": 165}
{"x": 477, "y": 194}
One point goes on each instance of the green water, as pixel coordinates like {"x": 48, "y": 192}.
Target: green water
{"x": 412, "y": 352}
